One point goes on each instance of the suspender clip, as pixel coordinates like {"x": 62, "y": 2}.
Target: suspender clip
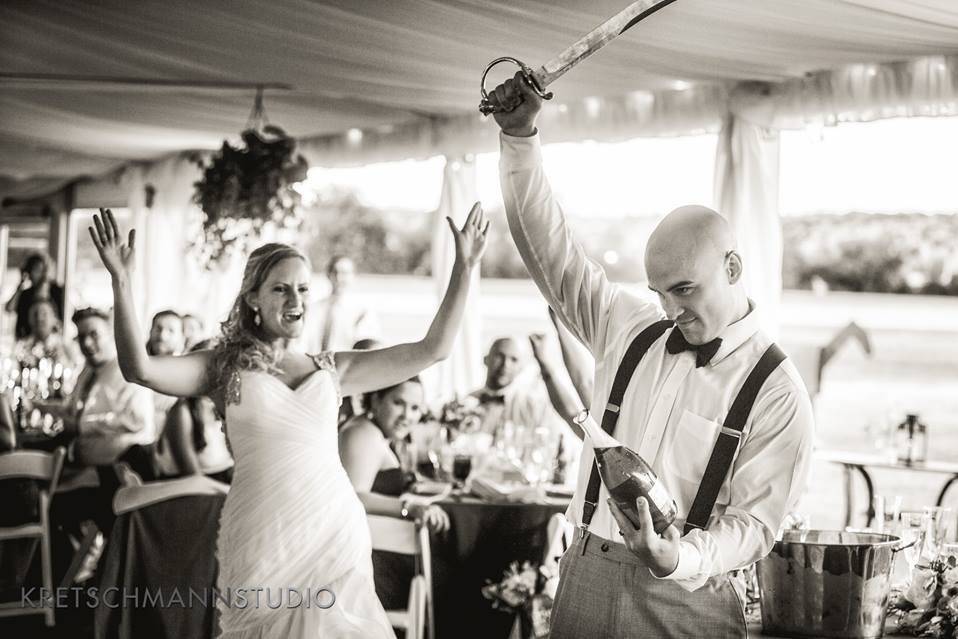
{"x": 737, "y": 434}
{"x": 612, "y": 408}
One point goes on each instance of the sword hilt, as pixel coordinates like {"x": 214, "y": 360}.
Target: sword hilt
{"x": 485, "y": 107}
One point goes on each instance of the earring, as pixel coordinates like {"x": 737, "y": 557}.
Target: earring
{"x": 256, "y": 318}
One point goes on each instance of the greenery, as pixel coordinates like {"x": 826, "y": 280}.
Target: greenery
{"x": 903, "y": 253}
{"x": 243, "y": 189}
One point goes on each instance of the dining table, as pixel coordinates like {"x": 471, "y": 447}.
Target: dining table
{"x": 853, "y": 462}
{"x": 485, "y": 537}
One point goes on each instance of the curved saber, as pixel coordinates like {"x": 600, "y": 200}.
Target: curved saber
{"x": 578, "y": 51}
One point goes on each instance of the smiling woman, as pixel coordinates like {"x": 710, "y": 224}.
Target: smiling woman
{"x": 281, "y": 409}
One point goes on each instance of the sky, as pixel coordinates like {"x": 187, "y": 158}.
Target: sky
{"x": 888, "y": 166}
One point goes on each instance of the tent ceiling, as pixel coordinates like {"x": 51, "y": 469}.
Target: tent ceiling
{"x": 367, "y": 63}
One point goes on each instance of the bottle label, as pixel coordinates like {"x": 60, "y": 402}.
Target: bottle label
{"x": 659, "y": 495}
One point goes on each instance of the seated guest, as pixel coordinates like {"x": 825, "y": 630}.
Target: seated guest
{"x": 45, "y": 340}
{"x": 353, "y": 405}
{"x": 193, "y": 331}
{"x": 366, "y": 448}
{"x": 166, "y": 338}
{"x": 105, "y": 420}
{"x": 166, "y": 334}
{"x": 195, "y": 439}
{"x": 504, "y": 398}
{"x": 35, "y": 284}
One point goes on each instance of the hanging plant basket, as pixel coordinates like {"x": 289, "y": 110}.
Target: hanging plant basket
{"x": 244, "y": 189}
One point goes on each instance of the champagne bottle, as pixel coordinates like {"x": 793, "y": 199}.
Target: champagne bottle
{"x": 627, "y": 477}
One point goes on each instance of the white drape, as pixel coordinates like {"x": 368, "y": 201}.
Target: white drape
{"x": 746, "y": 193}
{"x": 460, "y": 373}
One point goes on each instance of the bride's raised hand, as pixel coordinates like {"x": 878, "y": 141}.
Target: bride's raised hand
{"x": 117, "y": 257}
{"x": 471, "y": 239}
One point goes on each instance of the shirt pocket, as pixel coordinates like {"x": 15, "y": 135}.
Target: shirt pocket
{"x": 692, "y": 446}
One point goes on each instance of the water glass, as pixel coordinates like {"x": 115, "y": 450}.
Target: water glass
{"x": 887, "y": 511}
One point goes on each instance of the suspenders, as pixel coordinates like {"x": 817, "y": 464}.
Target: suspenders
{"x": 724, "y": 451}
{"x": 637, "y": 349}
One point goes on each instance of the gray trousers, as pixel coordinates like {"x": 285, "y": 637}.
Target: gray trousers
{"x": 605, "y": 593}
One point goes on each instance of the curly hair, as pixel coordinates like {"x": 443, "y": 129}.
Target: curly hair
{"x": 243, "y": 346}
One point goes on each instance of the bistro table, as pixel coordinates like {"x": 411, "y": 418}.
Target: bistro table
{"x": 860, "y": 462}
{"x": 484, "y": 538}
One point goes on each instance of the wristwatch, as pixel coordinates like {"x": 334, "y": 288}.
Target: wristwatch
{"x": 580, "y": 417}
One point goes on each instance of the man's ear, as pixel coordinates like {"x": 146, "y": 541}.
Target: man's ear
{"x": 733, "y": 267}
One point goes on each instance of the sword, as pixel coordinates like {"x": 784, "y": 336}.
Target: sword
{"x": 574, "y": 54}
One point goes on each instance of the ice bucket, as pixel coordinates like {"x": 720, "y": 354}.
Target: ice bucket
{"x": 825, "y": 583}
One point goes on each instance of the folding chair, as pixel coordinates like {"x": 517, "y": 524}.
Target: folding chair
{"x": 163, "y": 543}
{"x": 44, "y": 467}
{"x": 407, "y": 538}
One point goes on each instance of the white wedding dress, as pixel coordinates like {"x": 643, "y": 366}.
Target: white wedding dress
{"x": 292, "y": 520}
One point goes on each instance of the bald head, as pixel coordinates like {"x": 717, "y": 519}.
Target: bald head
{"x": 505, "y": 360}
{"x": 693, "y": 266}
{"x": 689, "y": 233}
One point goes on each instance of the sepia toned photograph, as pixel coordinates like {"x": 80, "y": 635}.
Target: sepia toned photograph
{"x": 455, "y": 319}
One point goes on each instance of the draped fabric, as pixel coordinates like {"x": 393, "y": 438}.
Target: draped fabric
{"x": 458, "y": 374}
{"x": 404, "y": 72}
{"x": 746, "y": 193}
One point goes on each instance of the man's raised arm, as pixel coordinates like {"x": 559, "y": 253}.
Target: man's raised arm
{"x": 573, "y": 285}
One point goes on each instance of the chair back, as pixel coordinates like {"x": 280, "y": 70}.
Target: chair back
{"x": 134, "y": 497}
{"x": 559, "y": 537}
{"x": 406, "y": 537}
{"x": 32, "y": 464}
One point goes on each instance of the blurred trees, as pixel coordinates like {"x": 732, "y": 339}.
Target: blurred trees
{"x": 902, "y": 253}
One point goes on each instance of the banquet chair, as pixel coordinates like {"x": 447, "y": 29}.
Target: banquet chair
{"x": 163, "y": 542}
{"x": 559, "y": 536}
{"x": 408, "y": 538}
{"x": 44, "y": 467}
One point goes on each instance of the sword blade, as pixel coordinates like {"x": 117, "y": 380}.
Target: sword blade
{"x": 596, "y": 39}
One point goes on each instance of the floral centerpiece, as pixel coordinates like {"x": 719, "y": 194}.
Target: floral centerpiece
{"x": 527, "y": 590}
{"x": 244, "y": 188}
{"x": 461, "y": 415}
{"x": 927, "y": 606}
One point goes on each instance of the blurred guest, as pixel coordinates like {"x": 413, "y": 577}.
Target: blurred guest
{"x": 45, "y": 340}
{"x": 193, "y": 331}
{"x": 367, "y": 448}
{"x": 195, "y": 439}
{"x": 354, "y": 405}
{"x": 166, "y": 338}
{"x": 166, "y": 334}
{"x": 105, "y": 420}
{"x": 506, "y": 398}
{"x": 339, "y": 320}
{"x": 35, "y": 284}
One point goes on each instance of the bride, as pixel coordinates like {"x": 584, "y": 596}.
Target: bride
{"x": 293, "y": 546}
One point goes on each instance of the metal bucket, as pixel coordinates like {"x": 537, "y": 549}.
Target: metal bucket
{"x": 824, "y": 583}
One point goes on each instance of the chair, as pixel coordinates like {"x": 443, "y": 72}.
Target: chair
{"x": 43, "y": 467}
{"x": 405, "y": 537}
{"x": 559, "y": 537}
{"x": 163, "y": 542}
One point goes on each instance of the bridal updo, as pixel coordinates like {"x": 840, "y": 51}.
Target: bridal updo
{"x": 244, "y": 346}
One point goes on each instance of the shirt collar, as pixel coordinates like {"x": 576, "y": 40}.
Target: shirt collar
{"x": 737, "y": 333}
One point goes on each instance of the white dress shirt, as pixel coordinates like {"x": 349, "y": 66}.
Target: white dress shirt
{"x": 672, "y": 411}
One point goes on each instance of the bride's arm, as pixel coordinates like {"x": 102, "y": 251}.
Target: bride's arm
{"x": 364, "y": 371}
{"x": 182, "y": 376}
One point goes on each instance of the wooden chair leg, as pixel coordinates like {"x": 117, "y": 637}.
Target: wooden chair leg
{"x": 46, "y": 561}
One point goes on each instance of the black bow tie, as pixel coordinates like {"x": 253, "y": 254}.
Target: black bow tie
{"x": 492, "y": 398}
{"x": 704, "y": 353}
